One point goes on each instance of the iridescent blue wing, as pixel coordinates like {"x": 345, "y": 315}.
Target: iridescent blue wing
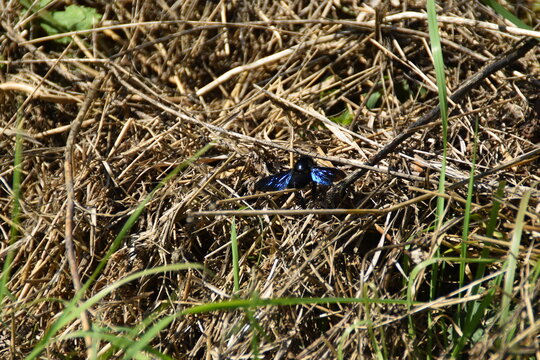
{"x": 326, "y": 175}
{"x": 274, "y": 182}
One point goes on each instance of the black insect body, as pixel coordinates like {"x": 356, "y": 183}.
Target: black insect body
{"x": 305, "y": 172}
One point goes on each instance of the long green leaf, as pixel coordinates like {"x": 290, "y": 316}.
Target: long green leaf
{"x": 235, "y": 257}
{"x": 506, "y": 14}
{"x": 513, "y": 254}
{"x": 438, "y": 63}
{"x": 16, "y": 210}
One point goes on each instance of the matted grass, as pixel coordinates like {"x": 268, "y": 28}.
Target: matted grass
{"x": 175, "y": 110}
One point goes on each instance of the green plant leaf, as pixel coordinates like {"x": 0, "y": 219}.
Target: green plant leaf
{"x": 73, "y": 18}
{"x": 373, "y": 100}
{"x": 345, "y": 118}
{"x": 77, "y": 17}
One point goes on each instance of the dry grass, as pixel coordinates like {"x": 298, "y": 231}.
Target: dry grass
{"x": 154, "y": 109}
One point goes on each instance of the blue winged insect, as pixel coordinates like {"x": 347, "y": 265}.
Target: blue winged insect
{"x": 303, "y": 173}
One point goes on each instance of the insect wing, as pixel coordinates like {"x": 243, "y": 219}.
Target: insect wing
{"x": 274, "y": 182}
{"x": 325, "y": 175}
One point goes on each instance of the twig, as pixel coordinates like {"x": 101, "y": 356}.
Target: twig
{"x": 271, "y": 25}
{"x": 467, "y": 22}
{"x": 39, "y": 93}
{"x": 70, "y": 206}
{"x": 293, "y": 212}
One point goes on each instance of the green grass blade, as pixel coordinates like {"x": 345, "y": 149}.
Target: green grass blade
{"x": 235, "y": 257}
{"x": 426, "y": 263}
{"x": 475, "y": 315}
{"x": 467, "y": 216}
{"x": 499, "y": 9}
{"x": 118, "y": 342}
{"x": 475, "y": 310}
{"x": 491, "y": 226}
{"x": 512, "y": 261}
{"x": 460, "y": 315}
{"x": 256, "y": 329}
{"x": 438, "y": 63}
{"x": 345, "y": 335}
{"x": 16, "y": 210}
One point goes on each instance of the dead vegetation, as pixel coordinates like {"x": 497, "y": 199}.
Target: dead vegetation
{"x": 261, "y": 79}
